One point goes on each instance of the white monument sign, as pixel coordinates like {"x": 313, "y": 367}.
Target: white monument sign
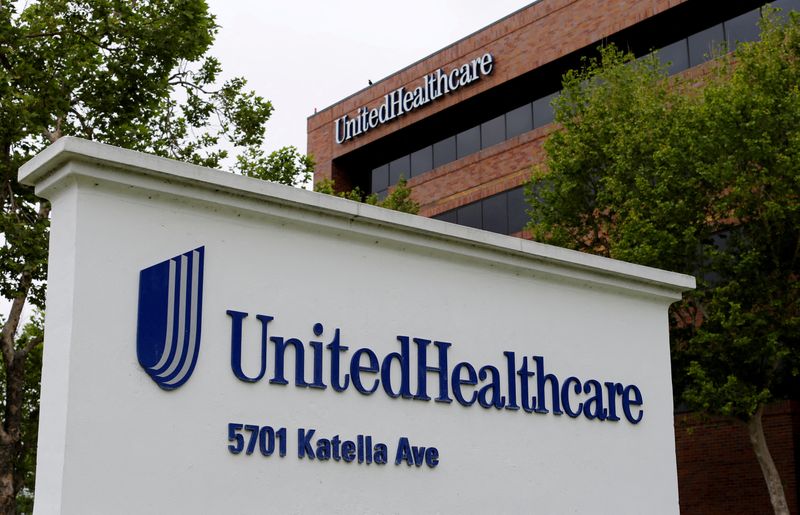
{"x": 219, "y": 344}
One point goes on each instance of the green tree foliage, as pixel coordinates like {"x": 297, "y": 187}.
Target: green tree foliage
{"x": 398, "y": 199}
{"x": 25, "y": 468}
{"x": 703, "y": 180}
{"x": 130, "y": 73}
{"x": 285, "y": 165}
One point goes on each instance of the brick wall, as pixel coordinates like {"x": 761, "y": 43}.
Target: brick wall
{"x": 717, "y": 469}
{"x": 498, "y": 168}
{"x": 532, "y": 37}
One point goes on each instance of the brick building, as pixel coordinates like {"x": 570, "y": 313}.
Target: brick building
{"x": 466, "y": 124}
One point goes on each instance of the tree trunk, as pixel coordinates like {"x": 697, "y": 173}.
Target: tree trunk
{"x": 11, "y": 428}
{"x": 10, "y": 440}
{"x": 8, "y": 488}
{"x": 768, "y": 469}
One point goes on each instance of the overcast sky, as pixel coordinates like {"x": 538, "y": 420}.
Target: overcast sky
{"x": 307, "y": 54}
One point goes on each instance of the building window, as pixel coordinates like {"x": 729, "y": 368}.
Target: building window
{"x": 517, "y": 210}
{"x": 675, "y": 56}
{"x": 444, "y": 151}
{"x": 786, "y": 5}
{"x": 400, "y": 167}
{"x": 543, "y": 110}
{"x": 504, "y": 213}
{"x": 421, "y": 161}
{"x": 448, "y": 216}
{"x": 468, "y": 141}
{"x": 470, "y": 215}
{"x": 519, "y": 121}
{"x": 495, "y": 213}
{"x": 380, "y": 178}
{"x": 742, "y": 28}
{"x": 706, "y": 44}
{"x": 493, "y": 131}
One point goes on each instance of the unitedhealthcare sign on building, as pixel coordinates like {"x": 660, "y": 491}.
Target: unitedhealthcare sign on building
{"x": 218, "y": 344}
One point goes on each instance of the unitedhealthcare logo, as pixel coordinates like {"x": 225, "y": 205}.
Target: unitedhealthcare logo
{"x": 168, "y": 329}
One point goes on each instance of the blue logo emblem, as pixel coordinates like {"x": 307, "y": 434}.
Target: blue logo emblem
{"x": 168, "y": 330}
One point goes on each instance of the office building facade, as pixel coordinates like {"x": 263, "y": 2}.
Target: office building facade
{"x": 466, "y": 125}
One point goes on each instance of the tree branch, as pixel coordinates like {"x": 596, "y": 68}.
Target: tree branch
{"x": 73, "y": 33}
{"x": 33, "y": 342}
{"x": 12, "y": 323}
{"x": 190, "y": 85}
{"x": 85, "y": 126}
{"x": 53, "y": 136}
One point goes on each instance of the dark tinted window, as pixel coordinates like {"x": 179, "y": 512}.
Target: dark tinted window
{"x": 444, "y": 151}
{"x": 448, "y": 216}
{"x": 676, "y": 54}
{"x": 742, "y": 28}
{"x": 493, "y": 131}
{"x": 705, "y": 44}
{"x": 468, "y": 142}
{"x": 421, "y": 161}
{"x": 380, "y": 178}
{"x": 519, "y": 120}
{"x": 543, "y": 110}
{"x": 470, "y": 215}
{"x": 517, "y": 207}
{"x": 495, "y": 214}
{"x": 399, "y": 167}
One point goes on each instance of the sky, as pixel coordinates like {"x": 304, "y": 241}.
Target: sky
{"x": 308, "y": 54}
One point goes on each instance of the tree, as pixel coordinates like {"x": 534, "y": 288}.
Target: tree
{"x": 703, "y": 180}
{"x": 398, "y": 199}
{"x": 130, "y": 73}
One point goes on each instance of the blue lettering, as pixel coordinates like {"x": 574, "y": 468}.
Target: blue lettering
{"x": 565, "y": 396}
{"x": 323, "y": 449}
{"x": 317, "y": 347}
{"x": 613, "y": 389}
{"x": 348, "y": 451}
{"x": 627, "y": 402}
{"x": 413, "y": 455}
{"x": 280, "y": 356}
{"x": 423, "y": 369}
{"x": 541, "y": 379}
{"x": 236, "y": 345}
{"x": 335, "y": 349}
{"x": 457, "y": 383}
{"x": 403, "y": 452}
{"x": 432, "y": 457}
{"x": 356, "y": 369}
{"x": 381, "y": 454}
{"x": 304, "y": 443}
{"x": 386, "y": 371}
{"x": 489, "y": 395}
{"x": 512, "y": 380}
{"x": 593, "y": 407}
{"x": 524, "y": 382}
{"x": 486, "y": 385}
